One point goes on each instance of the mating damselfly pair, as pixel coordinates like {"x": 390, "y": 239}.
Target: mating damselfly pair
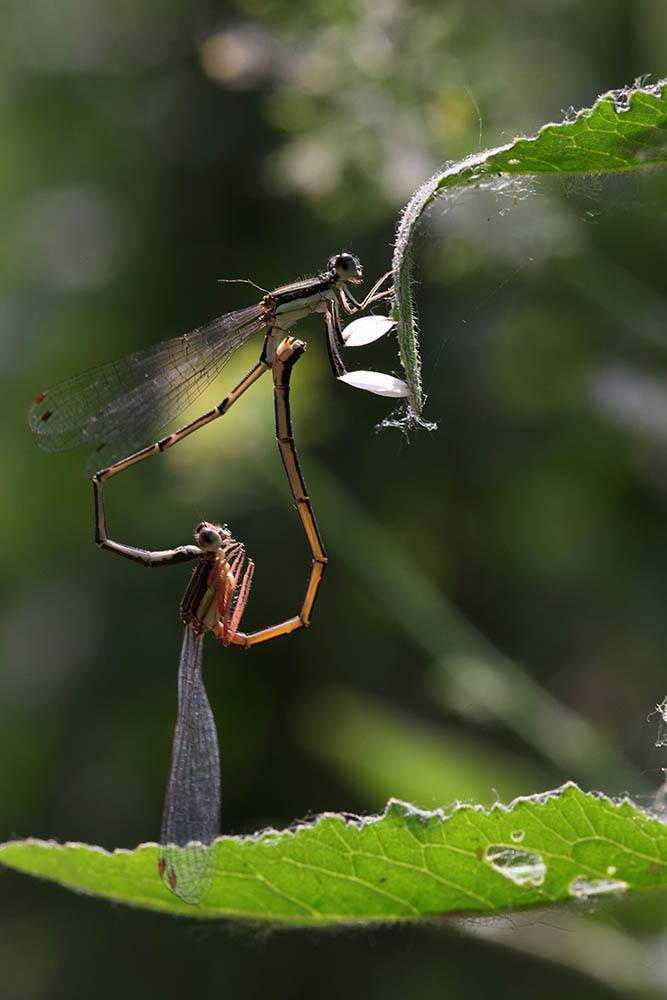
{"x": 115, "y": 409}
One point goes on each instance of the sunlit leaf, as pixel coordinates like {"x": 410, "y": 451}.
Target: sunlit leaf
{"x": 404, "y": 865}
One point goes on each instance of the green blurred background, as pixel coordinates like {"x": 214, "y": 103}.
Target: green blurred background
{"x": 491, "y": 623}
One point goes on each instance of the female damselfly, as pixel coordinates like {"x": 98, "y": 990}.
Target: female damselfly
{"x": 214, "y": 602}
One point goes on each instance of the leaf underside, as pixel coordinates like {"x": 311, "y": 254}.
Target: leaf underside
{"x": 404, "y": 865}
{"x": 624, "y": 130}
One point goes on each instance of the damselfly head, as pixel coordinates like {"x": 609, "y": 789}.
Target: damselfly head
{"x": 211, "y": 537}
{"x": 346, "y": 267}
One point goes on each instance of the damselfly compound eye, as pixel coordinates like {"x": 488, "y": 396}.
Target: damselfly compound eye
{"x": 346, "y": 266}
{"x": 208, "y": 537}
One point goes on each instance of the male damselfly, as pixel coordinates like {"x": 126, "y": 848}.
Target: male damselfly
{"x": 119, "y": 406}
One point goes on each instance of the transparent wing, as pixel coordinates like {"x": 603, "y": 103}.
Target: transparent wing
{"x": 191, "y": 816}
{"x": 119, "y": 407}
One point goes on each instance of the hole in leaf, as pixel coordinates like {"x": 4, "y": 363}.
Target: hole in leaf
{"x": 582, "y": 887}
{"x": 521, "y": 867}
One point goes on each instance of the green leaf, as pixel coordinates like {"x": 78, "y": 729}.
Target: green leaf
{"x": 402, "y": 866}
{"x": 624, "y": 130}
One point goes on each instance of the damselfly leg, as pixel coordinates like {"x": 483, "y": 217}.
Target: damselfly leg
{"x": 287, "y": 355}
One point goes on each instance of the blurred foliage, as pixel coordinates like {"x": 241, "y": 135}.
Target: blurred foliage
{"x": 149, "y": 149}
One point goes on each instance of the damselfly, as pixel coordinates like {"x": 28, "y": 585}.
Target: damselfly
{"x": 118, "y": 407}
{"x": 214, "y": 602}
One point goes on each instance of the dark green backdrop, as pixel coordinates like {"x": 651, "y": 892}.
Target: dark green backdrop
{"x": 152, "y": 148}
